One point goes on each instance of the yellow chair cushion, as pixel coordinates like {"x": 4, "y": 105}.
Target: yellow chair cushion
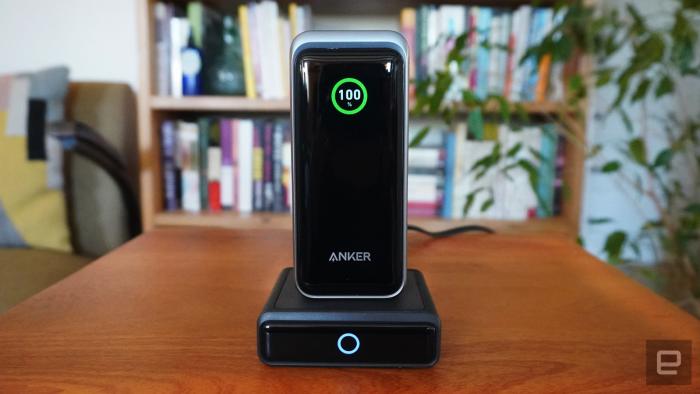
{"x": 31, "y": 213}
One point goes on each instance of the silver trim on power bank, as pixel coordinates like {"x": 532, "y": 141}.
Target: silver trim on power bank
{"x": 351, "y": 39}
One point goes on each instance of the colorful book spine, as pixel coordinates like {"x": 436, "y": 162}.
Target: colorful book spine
{"x": 277, "y": 191}
{"x": 559, "y": 177}
{"x": 163, "y": 14}
{"x": 408, "y": 29}
{"x": 203, "y": 145}
{"x": 258, "y": 157}
{"x": 244, "y": 147}
{"x": 188, "y": 148}
{"x": 546, "y": 173}
{"x": 227, "y": 179}
{"x": 450, "y": 153}
{"x": 214, "y": 178}
{"x": 168, "y": 152}
{"x": 268, "y": 190}
{"x": 248, "y": 70}
{"x": 235, "y": 161}
{"x": 483, "y": 27}
{"x": 545, "y": 63}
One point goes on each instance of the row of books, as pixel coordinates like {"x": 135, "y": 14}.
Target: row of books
{"x": 244, "y": 165}
{"x": 201, "y": 50}
{"x": 443, "y": 173}
{"x": 219, "y": 164}
{"x": 496, "y": 41}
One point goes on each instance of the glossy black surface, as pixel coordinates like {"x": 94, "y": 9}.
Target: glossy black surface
{"x": 378, "y": 344}
{"x": 349, "y": 171}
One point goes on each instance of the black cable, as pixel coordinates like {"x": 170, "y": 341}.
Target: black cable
{"x": 472, "y": 228}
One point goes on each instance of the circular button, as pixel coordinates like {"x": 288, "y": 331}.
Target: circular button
{"x": 352, "y": 337}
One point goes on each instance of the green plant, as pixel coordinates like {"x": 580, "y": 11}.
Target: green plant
{"x": 659, "y": 60}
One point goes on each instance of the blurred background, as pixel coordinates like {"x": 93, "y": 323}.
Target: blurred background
{"x": 576, "y": 119}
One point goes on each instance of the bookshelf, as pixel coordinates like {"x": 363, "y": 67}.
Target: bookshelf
{"x": 152, "y": 109}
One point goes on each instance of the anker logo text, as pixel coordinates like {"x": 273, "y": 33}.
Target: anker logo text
{"x": 350, "y": 256}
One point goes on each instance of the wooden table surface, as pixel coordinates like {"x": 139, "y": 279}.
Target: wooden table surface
{"x": 175, "y": 311}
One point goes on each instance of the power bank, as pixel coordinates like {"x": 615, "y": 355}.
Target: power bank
{"x": 349, "y": 143}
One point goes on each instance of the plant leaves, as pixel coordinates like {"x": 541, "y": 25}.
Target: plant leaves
{"x": 487, "y": 204}
{"x": 663, "y": 159}
{"x": 664, "y": 86}
{"x": 418, "y": 138}
{"x": 693, "y": 208}
{"x": 514, "y": 150}
{"x": 470, "y": 200}
{"x": 603, "y": 76}
{"x": 625, "y": 120}
{"x": 611, "y": 166}
{"x": 638, "y": 151}
{"x": 641, "y": 90}
{"x": 614, "y": 245}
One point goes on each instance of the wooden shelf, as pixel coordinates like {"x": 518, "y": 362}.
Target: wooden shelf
{"x": 234, "y": 220}
{"x": 153, "y": 109}
{"x": 218, "y": 104}
{"x": 243, "y": 104}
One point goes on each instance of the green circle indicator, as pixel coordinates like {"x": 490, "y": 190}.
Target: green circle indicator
{"x": 348, "y": 96}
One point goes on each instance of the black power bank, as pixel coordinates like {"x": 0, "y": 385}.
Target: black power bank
{"x": 403, "y": 331}
{"x": 349, "y": 152}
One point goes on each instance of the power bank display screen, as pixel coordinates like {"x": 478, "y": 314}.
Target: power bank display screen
{"x": 349, "y": 172}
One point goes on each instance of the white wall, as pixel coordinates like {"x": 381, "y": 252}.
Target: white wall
{"x": 95, "y": 38}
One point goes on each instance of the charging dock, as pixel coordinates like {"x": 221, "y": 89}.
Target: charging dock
{"x": 403, "y": 331}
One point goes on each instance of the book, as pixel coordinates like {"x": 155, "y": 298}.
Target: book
{"x": 163, "y": 13}
{"x": 472, "y": 46}
{"x": 285, "y": 40}
{"x": 426, "y": 174}
{"x": 421, "y": 45}
{"x": 244, "y": 145}
{"x": 256, "y": 50}
{"x": 546, "y": 171}
{"x": 448, "y": 190}
{"x": 267, "y": 20}
{"x": 521, "y": 29}
{"x": 258, "y": 158}
{"x": 235, "y": 162}
{"x": 188, "y": 148}
{"x": 432, "y": 50}
{"x": 227, "y": 188}
{"x": 556, "y": 75}
{"x": 541, "y": 18}
{"x": 493, "y": 77}
{"x": 248, "y": 71}
{"x": 483, "y": 31}
{"x": 559, "y": 177}
{"x": 293, "y": 19}
{"x": 179, "y": 33}
{"x": 407, "y": 21}
{"x": 168, "y": 140}
{"x": 214, "y": 178}
{"x": 267, "y": 181}
{"x": 203, "y": 146}
{"x": 278, "y": 204}
{"x": 545, "y": 63}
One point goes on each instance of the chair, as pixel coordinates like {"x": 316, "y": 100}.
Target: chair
{"x": 100, "y": 173}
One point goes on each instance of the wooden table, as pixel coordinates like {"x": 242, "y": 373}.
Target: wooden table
{"x": 175, "y": 310}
